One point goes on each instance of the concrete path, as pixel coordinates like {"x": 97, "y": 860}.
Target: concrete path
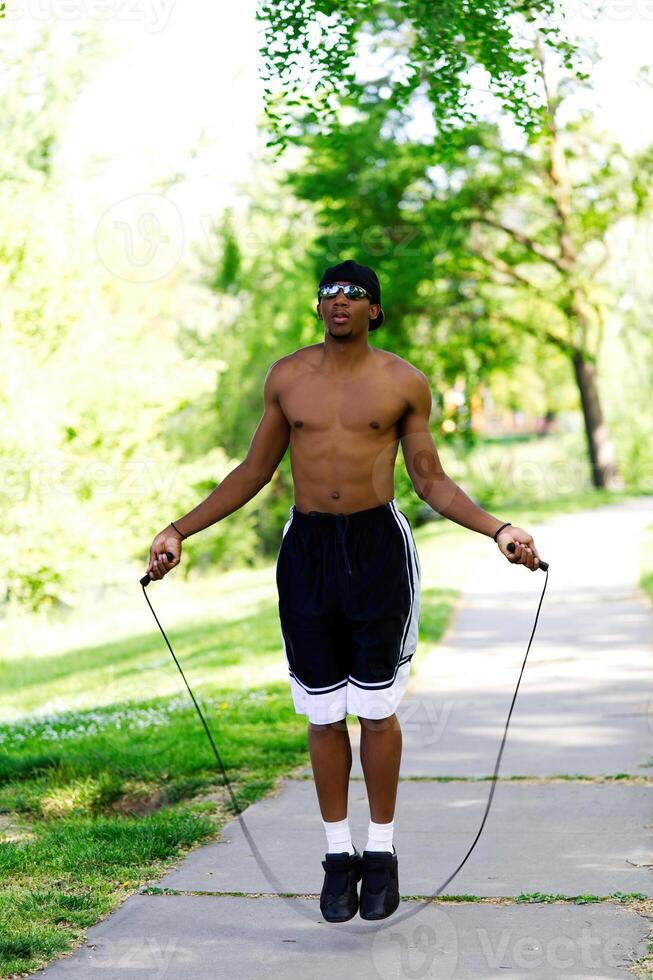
{"x": 583, "y": 713}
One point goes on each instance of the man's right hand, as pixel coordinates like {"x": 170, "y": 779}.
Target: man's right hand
{"x": 159, "y": 564}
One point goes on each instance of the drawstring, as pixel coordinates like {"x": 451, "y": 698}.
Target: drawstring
{"x": 341, "y": 529}
{"x": 342, "y": 520}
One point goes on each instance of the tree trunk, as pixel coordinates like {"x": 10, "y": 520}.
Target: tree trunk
{"x": 605, "y": 473}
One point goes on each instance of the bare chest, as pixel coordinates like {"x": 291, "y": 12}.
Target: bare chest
{"x": 318, "y": 405}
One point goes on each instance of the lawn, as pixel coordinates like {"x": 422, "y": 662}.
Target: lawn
{"x": 100, "y": 795}
{"x": 646, "y": 557}
{"x": 98, "y": 800}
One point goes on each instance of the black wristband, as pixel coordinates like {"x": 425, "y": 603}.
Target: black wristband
{"x": 494, "y": 536}
{"x": 183, "y": 536}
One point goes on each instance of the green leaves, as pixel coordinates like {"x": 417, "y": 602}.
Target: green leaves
{"x": 428, "y": 46}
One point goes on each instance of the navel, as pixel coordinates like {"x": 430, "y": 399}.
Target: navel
{"x": 335, "y": 495}
{"x": 374, "y": 425}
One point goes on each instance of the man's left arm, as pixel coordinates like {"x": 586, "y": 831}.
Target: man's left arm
{"x": 438, "y": 490}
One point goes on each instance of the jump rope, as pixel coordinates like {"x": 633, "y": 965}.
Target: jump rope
{"x": 278, "y": 890}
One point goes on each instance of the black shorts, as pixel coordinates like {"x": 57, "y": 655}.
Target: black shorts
{"x": 349, "y": 602}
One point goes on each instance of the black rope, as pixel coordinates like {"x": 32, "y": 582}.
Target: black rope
{"x": 206, "y": 727}
{"x": 269, "y": 874}
{"x": 503, "y": 742}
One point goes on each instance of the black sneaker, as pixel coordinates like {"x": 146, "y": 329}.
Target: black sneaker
{"x": 380, "y": 885}
{"x": 339, "y": 898}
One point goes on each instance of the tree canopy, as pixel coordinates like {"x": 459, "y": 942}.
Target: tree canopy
{"x": 309, "y": 52}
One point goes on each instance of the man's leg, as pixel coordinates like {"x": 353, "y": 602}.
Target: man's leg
{"x": 380, "y": 752}
{"x": 380, "y": 758}
{"x": 330, "y": 751}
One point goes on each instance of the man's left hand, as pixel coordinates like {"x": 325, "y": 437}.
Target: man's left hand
{"x": 525, "y": 551}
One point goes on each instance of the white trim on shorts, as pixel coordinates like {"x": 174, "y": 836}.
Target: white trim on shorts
{"x": 379, "y": 699}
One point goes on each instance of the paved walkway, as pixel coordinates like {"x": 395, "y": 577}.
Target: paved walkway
{"x": 583, "y": 712}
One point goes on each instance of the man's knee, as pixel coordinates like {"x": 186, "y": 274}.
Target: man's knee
{"x": 339, "y": 725}
{"x": 379, "y": 724}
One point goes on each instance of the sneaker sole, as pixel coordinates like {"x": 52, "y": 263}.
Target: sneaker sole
{"x": 343, "y": 919}
{"x": 374, "y": 918}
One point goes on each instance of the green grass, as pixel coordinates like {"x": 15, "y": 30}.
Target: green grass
{"x": 541, "y": 510}
{"x": 99, "y": 799}
{"x": 102, "y": 800}
{"x": 528, "y": 897}
{"x": 643, "y": 967}
{"x": 587, "y": 899}
{"x": 646, "y": 555}
{"x": 110, "y": 672}
{"x": 503, "y": 470}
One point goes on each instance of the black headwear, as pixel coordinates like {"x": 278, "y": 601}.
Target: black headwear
{"x": 360, "y": 275}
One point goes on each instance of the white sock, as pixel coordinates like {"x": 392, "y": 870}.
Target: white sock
{"x": 379, "y": 836}
{"x": 338, "y": 836}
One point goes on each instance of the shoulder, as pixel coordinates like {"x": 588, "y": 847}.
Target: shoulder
{"x": 286, "y": 367}
{"x": 274, "y": 378}
{"x": 413, "y": 382}
{"x": 301, "y": 358}
{"x": 282, "y": 364}
{"x": 402, "y": 367}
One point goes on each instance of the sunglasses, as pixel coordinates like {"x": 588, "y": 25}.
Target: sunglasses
{"x": 331, "y": 289}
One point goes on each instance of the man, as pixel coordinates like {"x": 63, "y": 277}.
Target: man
{"x": 348, "y": 572}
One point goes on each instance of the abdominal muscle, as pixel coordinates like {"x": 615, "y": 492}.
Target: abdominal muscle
{"x": 357, "y": 476}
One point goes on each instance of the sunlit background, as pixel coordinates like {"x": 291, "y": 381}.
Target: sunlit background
{"x": 164, "y": 263}
{"x": 155, "y": 258}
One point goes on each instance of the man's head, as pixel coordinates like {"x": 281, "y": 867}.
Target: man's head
{"x": 344, "y": 314}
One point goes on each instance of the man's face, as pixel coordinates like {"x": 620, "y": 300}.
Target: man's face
{"x": 345, "y": 317}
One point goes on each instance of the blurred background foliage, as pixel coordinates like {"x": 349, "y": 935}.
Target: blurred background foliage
{"x": 123, "y": 407}
{"x": 147, "y": 284}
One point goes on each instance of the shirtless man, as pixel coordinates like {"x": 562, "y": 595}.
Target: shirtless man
{"x": 348, "y": 572}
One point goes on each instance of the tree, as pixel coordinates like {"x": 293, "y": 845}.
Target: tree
{"x": 481, "y": 244}
{"x": 261, "y": 288}
{"x": 86, "y": 470}
{"x": 309, "y": 57}
{"x": 565, "y": 254}
{"x": 375, "y": 201}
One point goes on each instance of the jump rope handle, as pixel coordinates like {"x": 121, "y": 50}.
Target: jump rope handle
{"x": 146, "y": 578}
{"x": 544, "y": 565}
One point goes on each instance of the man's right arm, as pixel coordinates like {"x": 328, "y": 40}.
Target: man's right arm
{"x": 266, "y": 450}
